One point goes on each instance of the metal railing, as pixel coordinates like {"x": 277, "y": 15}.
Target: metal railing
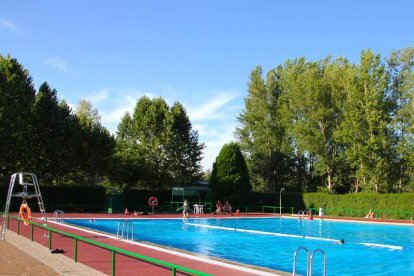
{"x": 274, "y": 208}
{"x": 115, "y": 250}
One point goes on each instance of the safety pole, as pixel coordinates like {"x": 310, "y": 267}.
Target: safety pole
{"x": 50, "y": 239}
{"x": 75, "y": 251}
{"x": 113, "y": 262}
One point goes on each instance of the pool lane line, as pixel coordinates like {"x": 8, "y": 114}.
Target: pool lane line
{"x": 262, "y": 232}
{"x": 392, "y": 247}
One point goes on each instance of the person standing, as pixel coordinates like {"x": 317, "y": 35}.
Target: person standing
{"x": 186, "y": 209}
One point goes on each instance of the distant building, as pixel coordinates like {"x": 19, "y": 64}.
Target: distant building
{"x": 196, "y": 192}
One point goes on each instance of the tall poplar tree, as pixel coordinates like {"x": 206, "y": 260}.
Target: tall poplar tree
{"x": 262, "y": 134}
{"x": 54, "y": 138}
{"x": 96, "y": 144}
{"x": 365, "y": 132}
{"x": 401, "y": 70}
{"x": 314, "y": 93}
{"x": 17, "y": 96}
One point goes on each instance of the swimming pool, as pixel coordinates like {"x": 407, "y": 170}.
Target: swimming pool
{"x": 369, "y": 248}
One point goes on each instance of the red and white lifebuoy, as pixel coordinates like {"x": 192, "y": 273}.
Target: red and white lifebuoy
{"x": 153, "y": 201}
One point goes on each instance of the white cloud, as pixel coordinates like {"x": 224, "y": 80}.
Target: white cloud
{"x": 57, "y": 63}
{"x": 113, "y": 108}
{"x": 115, "y": 115}
{"x": 212, "y": 109}
{"x": 8, "y": 25}
{"x": 99, "y": 96}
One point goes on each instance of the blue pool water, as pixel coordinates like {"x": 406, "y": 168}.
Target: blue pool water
{"x": 369, "y": 249}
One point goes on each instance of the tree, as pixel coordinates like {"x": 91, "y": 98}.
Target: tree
{"x": 230, "y": 178}
{"x": 183, "y": 148}
{"x": 401, "y": 71}
{"x": 160, "y": 141}
{"x": 87, "y": 114}
{"x": 262, "y": 136}
{"x": 365, "y": 131}
{"x": 16, "y": 99}
{"x": 313, "y": 94}
{"x": 127, "y": 167}
{"x": 53, "y": 140}
{"x": 96, "y": 145}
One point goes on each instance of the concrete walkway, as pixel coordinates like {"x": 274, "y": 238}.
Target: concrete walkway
{"x": 20, "y": 256}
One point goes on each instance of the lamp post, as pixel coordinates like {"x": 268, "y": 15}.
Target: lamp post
{"x": 280, "y": 200}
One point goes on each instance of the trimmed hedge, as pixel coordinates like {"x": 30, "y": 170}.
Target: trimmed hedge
{"x": 66, "y": 198}
{"x": 390, "y": 206}
{"x": 94, "y": 199}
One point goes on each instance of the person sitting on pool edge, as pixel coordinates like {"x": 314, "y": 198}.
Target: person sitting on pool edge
{"x": 370, "y": 214}
{"x": 218, "y": 208}
{"x": 227, "y": 208}
{"x": 126, "y": 212}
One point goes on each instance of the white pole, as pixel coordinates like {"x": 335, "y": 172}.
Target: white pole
{"x": 280, "y": 200}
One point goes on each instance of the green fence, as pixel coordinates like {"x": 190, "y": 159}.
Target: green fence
{"x": 276, "y": 209}
{"x": 115, "y": 250}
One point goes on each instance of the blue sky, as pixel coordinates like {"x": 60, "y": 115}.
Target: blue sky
{"x": 199, "y": 53}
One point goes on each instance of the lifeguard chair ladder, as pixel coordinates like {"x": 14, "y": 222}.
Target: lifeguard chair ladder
{"x": 28, "y": 181}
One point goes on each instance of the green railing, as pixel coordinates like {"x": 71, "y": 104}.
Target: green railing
{"x": 115, "y": 250}
{"x": 274, "y": 208}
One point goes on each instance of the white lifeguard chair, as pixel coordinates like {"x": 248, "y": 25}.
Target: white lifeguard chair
{"x": 31, "y": 189}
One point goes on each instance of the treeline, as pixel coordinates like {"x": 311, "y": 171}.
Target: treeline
{"x": 331, "y": 125}
{"x": 154, "y": 148}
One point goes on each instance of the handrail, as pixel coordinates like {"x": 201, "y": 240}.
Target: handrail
{"x": 270, "y": 207}
{"x": 311, "y": 261}
{"x": 307, "y": 260}
{"x": 276, "y": 207}
{"x": 174, "y": 268}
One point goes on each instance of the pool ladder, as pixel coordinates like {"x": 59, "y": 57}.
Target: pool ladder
{"x": 59, "y": 216}
{"x": 309, "y": 260}
{"x": 125, "y": 227}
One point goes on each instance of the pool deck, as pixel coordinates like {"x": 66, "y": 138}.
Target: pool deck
{"x": 100, "y": 259}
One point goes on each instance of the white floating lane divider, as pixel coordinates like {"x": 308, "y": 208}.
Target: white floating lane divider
{"x": 261, "y": 232}
{"x": 392, "y": 247}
